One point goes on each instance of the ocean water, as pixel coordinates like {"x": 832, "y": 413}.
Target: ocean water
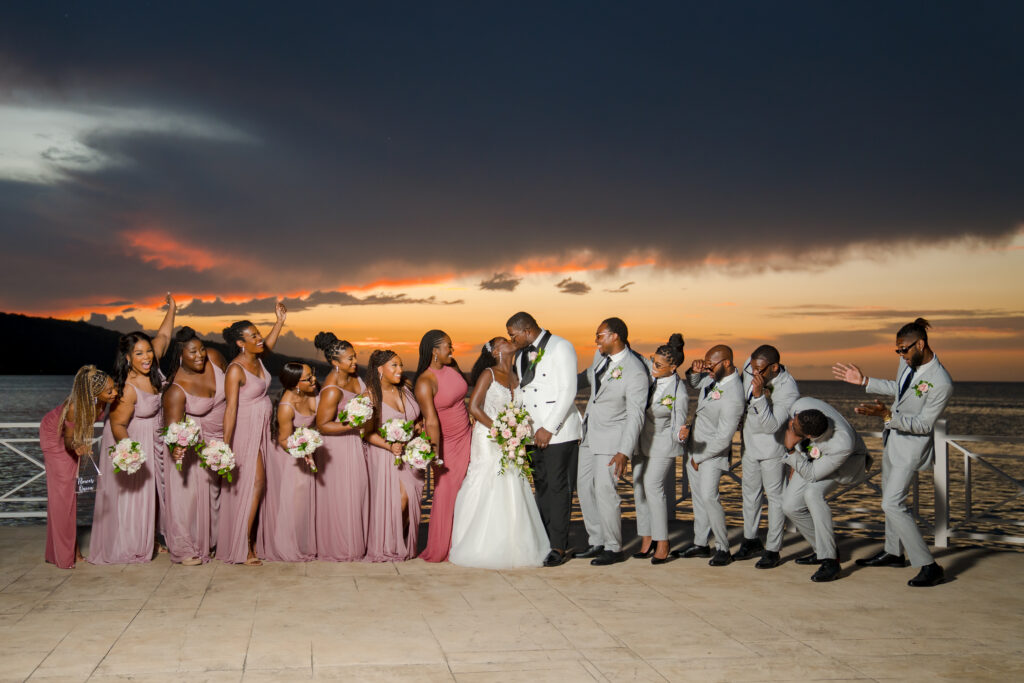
{"x": 993, "y": 409}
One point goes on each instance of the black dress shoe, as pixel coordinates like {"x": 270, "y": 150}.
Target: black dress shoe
{"x": 556, "y": 558}
{"x": 608, "y": 557}
{"x": 749, "y": 548}
{"x": 644, "y": 554}
{"x": 769, "y": 560}
{"x": 592, "y": 551}
{"x": 808, "y": 559}
{"x": 693, "y": 551}
{"x": 828, "y": 571}
{"x": 883, "y": 559}
{"x": 720, "y": 558}
{"x": 930, "y": 575}
{"x": 661, "y": 560}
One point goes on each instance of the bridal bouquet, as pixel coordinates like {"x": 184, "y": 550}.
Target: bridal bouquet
{"x": 182, "y": 434}
{"x": 127, "y": 456}
{"x": 512, "y": 430}
{"x": 418, "y": 453}
{"x": 218, "y": 456}
{"x": 303, "y": 442}
{"x": 357, "y": 411}
{"x": 396, "y": 430}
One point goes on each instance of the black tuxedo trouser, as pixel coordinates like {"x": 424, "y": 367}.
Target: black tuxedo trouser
{"x": 554, "y": 477}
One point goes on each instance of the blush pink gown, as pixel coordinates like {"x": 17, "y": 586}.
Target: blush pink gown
{"x": 124, "y": 518}
{"x": 343, "y": 495}
{"x": 386, "y": 541}
{"x": 456, "y": 433}
{"x": 61, "y": 491}
{"x": 251, "y": 442}
{"x": 187, "y": 496}
{"x": 287, "y": 530}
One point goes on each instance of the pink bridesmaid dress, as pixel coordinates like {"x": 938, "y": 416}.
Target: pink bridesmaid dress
{"x": 287, "y": 530}
{"x": 386, "y": 541}
{"x": 343, "y": 495}
{"x": 188, "y": 498}
{"x": 61, "y": 491}
{"x": 251, "y": 442}
{"x": 456, "y": 433}
{"x": 124, "y": 518}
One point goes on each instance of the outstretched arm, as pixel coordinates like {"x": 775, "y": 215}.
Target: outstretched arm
{"x": 163, "y": 335}
{"x": 282, "y": 313}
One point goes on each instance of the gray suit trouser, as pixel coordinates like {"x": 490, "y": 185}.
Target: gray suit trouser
{"x": 767, "y": 476}
{"x": 708, "y": 515}
{"x": 804, "y": 503}
{"x": 654, "y": 480}
{"x": 599, "y": 499}
{"x": 900, "y": 527}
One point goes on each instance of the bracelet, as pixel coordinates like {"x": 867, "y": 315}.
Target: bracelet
{"x": 864, "y": 381}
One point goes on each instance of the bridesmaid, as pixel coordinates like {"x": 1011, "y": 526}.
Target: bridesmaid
{"x": 287, "y": 530}
{"x": 195, "y": 387}
{"x": 441, "y": 394}
{"x": 247, "y": 431}
{"x": 65, "y": 434}
{"x": 394, "y": 491}
{"x": 343, "y": 493}
{"x": 661, "y": 442}
{"x": 125, "y": 515}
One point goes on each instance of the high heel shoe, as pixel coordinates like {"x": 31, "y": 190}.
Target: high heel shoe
{"x": 661, "y": 560}
{"x": 643, "y": 555}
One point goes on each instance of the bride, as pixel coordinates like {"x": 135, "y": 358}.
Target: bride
{"x": 497, "y": 524}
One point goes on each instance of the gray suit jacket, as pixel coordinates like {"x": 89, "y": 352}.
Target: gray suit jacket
{"x": 768, "y": 415}
{"x": 716, "y": 420}
{"x": 660, "y": 435}
{"x": 615, "y": 414}
{"x": 842, "y": 449}
{"x": 909, "y": 437}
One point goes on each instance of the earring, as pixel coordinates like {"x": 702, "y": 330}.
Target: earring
{"x": 435, "y": 356}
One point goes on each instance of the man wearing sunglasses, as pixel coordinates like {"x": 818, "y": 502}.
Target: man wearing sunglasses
{"x": 921, "y": 391}
{"x": 719, "y": 409}
{"x": 769, "y": 392}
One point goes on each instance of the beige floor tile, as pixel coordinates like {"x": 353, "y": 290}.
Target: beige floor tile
{"x": 277, "y": 675}
{"x": 419, "y": 673}
{"x": 18, "y": 662}
{"x": 919, "y": 667}
{"x": 16, "y": 604}
{"x": 556, "y": 672}
{"x": 510, "y": 660}
{"x": 754, "y": 669}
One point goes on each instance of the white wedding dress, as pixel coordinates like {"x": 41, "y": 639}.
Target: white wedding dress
{"x": 497, "y": 524}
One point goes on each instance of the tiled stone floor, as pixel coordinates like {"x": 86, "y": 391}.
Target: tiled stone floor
{"x": 419, "y": 622}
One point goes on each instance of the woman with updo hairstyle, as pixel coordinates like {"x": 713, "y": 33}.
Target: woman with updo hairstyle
{"x": 247, "y": 418}
{"x": 394, "y": 490}
{"x": 441, "y": 392}
{"x": 287, "y": 529}
{"x": 65, "y": 434}
{"x": 342, "y": 485}
{"x": 125, "y": 516}
{"x": 195, "y": 388}
{"x": 662, "y": 440}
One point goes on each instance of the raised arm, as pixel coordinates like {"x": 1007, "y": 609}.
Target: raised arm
{"x": 728, "y": 422}
{"x": 282, "y": 313}
{"x": 426, "y": 388}
{"x": 163, "y": 335}
{"x": 234, "y": 378}
{"x": 771, "y": 411}
{"x": 924, "y": 422}
{"x": 839, "y": 449}
{"x": 476, "y": 399}
{"x": 327, "y": 414}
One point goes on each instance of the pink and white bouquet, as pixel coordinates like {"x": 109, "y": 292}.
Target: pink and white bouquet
{"x": 357, "y": 411}
{"x": 396, "y": 430}
{"x": 302, "y": 443}
{"x": 419, "y": 453}
{"x": 127, "y": 456}
{"x": 512, "y": 430}
{"x": 182, "y": 434}
{"x": 219, "y": 457}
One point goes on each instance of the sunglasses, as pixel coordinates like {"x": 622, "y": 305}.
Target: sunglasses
{"x": 902, "y": 350}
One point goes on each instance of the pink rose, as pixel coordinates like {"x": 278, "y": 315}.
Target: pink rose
{"x": 923, "y": 388}
{"x": 506, "y": 433}
{"x": 715, "y": 395}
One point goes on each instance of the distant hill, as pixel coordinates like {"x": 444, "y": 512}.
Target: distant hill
{"x": 47, "y": 346}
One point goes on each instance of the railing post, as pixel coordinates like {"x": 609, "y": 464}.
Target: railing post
{"x": 941, "y": 479}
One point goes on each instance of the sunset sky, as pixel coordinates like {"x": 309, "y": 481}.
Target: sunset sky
{"x": 811, "y": 174}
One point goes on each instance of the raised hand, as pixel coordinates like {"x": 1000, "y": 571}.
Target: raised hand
{"x": 171, "y": 305}
{"x": 875, "y": 409}
{"x": 700, "y": 366}
{"x": 281, "y": 311}
{"x": 790, "y": 439}
{"x": 848, "y": 373}
{"x": 757, "y": 385}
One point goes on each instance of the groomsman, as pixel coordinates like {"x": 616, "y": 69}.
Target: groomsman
{"x": 824, "y": 451}
{"x": 770, "y": 392}
{"x": 719, "y": 409}
{"x": 921, "y": 391}
{"x": 546, "y": 365}
{"x": 618, "y": 380}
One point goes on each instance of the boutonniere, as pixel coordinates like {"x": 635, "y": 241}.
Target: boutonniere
{"x": 813, "y": 452}
{"x": 716, "y": 392}
{"x": 667, "y": 401}
{"x": 535, "y": 357}
{"x": 616, "y": 372}
{"x": 921, "y": 388}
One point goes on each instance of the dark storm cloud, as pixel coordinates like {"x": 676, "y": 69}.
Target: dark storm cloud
{"x": 501, "y": 281}
{"x": 424, "y": 140}
{"x": 570, "y": 286}
{"x": 220, "y": 308}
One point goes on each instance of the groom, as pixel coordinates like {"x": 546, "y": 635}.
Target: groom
{"x": 546, "y": 365}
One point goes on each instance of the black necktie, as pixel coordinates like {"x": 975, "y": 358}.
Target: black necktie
{"x": 524, "y": 361}
{"x": 650, "y": 392}
{"x": 906, "y": 382}
{"x": 708, "y": 388}
{"x": 600, "y": 373}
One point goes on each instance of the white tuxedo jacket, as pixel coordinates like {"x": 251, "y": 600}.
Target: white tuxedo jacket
{"x": 550, "y": 397}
